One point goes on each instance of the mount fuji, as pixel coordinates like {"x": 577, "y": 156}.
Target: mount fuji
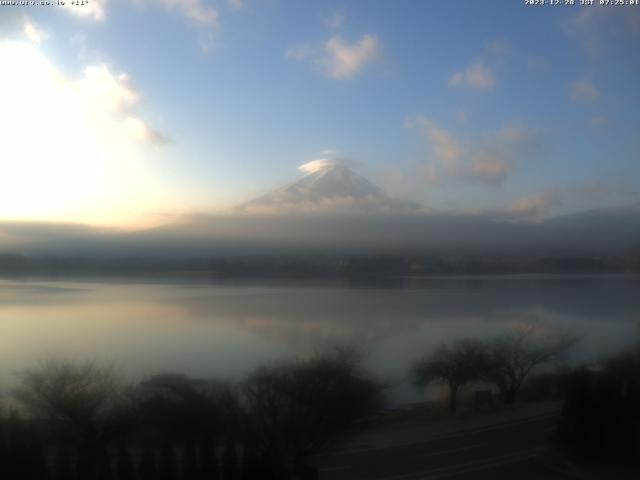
{"x": 326, "y": 186}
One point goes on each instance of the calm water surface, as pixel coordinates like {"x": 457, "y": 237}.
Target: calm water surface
{"x": 223, "y": 330}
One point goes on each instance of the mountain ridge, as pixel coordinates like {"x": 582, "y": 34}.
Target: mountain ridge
{"x": 329, "y": 187}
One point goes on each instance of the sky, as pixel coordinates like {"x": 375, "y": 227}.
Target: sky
{"x": 130, "y": 112}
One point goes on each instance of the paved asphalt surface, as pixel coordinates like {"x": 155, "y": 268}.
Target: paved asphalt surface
{"x": 491, "y": 446}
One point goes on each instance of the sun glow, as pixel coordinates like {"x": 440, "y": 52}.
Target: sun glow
{"x": 67, "y": 152}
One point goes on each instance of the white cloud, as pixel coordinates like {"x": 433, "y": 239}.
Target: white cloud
{"x": 68, "y": 157}
{"x": 338, "y": 59}
{"x": 444, "y": 146}
{"x": 33, "y": 32}
{"x": 480, "y": 75}
{"x": 141, "y": 132}
{"x": 488, "y": 167}
{"x": 93, "y": 9}
{"x": 489, "y": 162}
{"x": 318, "y": 165}
{"x": 329, "y": 158}
{"x": 584, "y": 91}
{"x": 345, "y": 60}
{"x": 476, "y": 77}
{"x": 105, "y": 90}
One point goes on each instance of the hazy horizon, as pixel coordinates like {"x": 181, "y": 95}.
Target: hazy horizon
{"x": 333, "y": 209}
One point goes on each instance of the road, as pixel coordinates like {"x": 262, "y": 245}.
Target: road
{"x": 492, "y": 446}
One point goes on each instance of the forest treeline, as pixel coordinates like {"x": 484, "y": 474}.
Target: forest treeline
{"x": 317, "y": 266}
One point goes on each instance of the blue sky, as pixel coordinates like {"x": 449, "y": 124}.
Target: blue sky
{"x": 196, "y": 105}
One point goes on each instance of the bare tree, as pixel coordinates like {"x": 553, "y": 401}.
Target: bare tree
{"x": 511, "y": 357}
{"x": 296, "y": 407}
{"x": 63, "y": 390}
{"x": 81, "y": 398}
{"x": 454, "y": 365}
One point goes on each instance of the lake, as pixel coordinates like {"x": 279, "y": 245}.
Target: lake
{"x": 226, "y": 329}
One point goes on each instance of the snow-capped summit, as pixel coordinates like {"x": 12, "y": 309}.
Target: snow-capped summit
{"x": 327, "y": 185}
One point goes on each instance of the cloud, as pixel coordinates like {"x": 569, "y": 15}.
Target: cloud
{"x": 582, "y": 24}
{"x": 480, "y": 75}
{"x": 195, "y": 10}
{"x": 535, "y": 205}
{"x": 489, "y": 161}
{"x": 605, "y": 191}
{"x": 476, "y": 77}
{"x": 33, "y": 32}
{"x": 329, "y": 158}
{"x": 618, "y": 188}
{"x": 345, "y": 60}
{"x": 237, "y": 4}
{"x": 93, "y": 9}
{"x": 204, "y": 18}
{"x": 488, "y": 167}
{"x": 445, "y": 147}
{"x": 598, "y": 29}
{"x": 584, "y": 91}
{"x": 105, "y": 90}
{"x": 318, "y": 165}
{"x": 337, "y": 58}
{"x": 499, "y": 48}
{"x": 597, "y": 193}
{"x": 140, "y": 131}
{"x": 68, "y": 155}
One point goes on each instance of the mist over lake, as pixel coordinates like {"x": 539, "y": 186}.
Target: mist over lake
{"x": 224, "y": 330}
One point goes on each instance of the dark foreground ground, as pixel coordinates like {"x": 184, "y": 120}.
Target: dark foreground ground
{"x": 503, "y": 445}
